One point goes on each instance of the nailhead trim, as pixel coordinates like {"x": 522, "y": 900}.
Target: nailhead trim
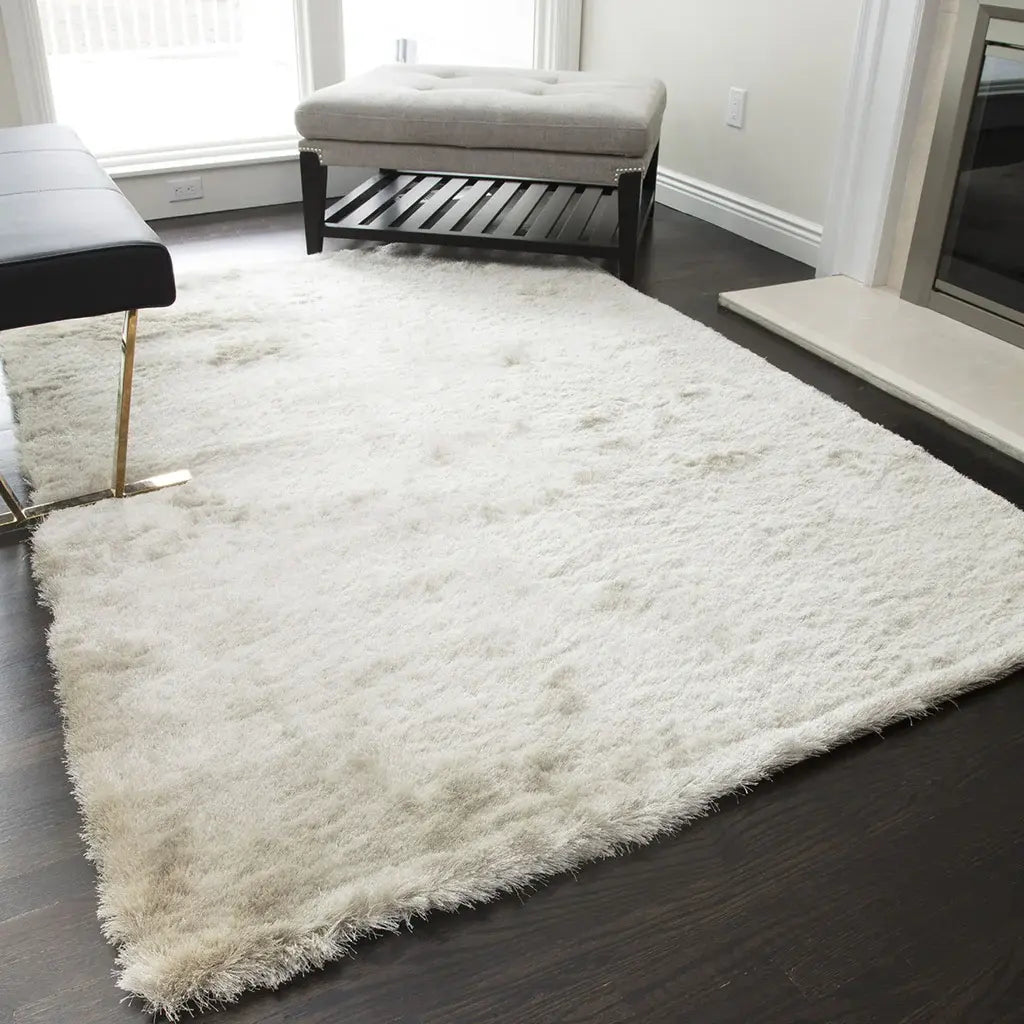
{"x": 625, "y": 170}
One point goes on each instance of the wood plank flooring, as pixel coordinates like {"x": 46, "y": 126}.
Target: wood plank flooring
{"x": 881, "y": 883}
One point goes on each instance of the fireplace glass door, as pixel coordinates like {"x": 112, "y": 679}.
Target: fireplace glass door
{"x": 982, "y": 256}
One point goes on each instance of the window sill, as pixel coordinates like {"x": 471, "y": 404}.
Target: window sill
{"x": 139, "y": 165}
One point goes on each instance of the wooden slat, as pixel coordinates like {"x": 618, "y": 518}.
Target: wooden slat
{"x": 498, "y": 213}
{"x": 573, "y": 227}
{"x": 362, "y": 213}
{"x": 602, "y": 227}
{"x": 352, "y": 199}
{"x": 464, "y": 204}
{"x": 405, "y": 202}
{"x": 513, "y": 220}
{"x": 491, "y": 209}
{"x": 434, "y": 203}
{"x": 551, "y": 211}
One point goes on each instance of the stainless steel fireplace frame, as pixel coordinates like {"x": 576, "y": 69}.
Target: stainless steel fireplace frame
{"x": 956, "y": 101}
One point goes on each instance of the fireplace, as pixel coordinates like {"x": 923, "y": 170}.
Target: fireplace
{"x": 966, "y": 258}
{"x": 921, "y": 267}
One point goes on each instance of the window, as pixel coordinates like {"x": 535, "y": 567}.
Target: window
{"x": 153, "y": 85}
{"x": 439, "y": 32}
{"x": 145, "y": 76}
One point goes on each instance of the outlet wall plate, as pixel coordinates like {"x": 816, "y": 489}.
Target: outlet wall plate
{"x": 736, "y": 112}
{"x": 182, "y": 189}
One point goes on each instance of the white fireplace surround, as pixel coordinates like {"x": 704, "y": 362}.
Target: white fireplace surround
{"x": 891, "y": 107}
{"x": 852, "y": 314}
{"x": 891, "y": 110}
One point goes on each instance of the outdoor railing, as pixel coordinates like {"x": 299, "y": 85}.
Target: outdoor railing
{"x": 109, "y": 26}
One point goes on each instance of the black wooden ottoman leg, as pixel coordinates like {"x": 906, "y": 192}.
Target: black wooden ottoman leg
{"x": 647, "y": 197}
{"x": 629, "y": 223}
{"x": 314, "y": 199}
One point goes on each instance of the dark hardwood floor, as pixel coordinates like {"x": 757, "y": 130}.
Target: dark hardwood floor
{"x": 881, "y": 883}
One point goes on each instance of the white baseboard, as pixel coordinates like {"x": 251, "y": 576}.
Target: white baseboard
{"x": 227, "y": 187}
{"x": 784, "y": 232}
{"x": 269, "y": 182}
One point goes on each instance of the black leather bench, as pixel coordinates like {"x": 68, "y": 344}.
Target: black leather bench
{"x": 71, "y": 245}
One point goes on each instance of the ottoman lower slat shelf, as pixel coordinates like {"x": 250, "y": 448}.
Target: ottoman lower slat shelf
{"x": 605, "y": 220}
{"x": 459, "y": 206}
{"x": 520, "y": 210}
{"x": 433, "y": 204}
{"x": 496, "y": 213}
{"x": 548, "y": 212}
{"x": 406, "y": 202}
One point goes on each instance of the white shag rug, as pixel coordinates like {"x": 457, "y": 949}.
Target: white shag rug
{"x": 486, "y": 570}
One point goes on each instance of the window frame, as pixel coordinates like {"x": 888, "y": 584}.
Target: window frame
{"x": 320, "y": 60}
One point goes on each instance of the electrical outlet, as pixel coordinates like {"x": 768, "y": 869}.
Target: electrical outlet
{"x": 186, "y": 188}
{"x": 736, "y": 113}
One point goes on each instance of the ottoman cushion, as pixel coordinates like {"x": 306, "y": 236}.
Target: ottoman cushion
{"x": 489, "y": 108}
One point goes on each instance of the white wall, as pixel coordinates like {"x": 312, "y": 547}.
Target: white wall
{"x": 792, "y": 55}
{"x": 8, "y": 97}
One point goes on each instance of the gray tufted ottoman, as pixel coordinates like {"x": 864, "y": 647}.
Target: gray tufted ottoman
{"x": 544, "y": 161}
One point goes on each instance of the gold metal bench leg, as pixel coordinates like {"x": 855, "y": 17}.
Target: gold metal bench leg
{"x": 21, "y": 517}
{"x": 11, "y": 501}
{"x": 124, "y": 399}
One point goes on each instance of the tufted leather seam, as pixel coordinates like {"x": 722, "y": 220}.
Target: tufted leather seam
{"x": 62, "y": 188}
{"x": 87, "y": 254}
{"x": 48, "y": 149}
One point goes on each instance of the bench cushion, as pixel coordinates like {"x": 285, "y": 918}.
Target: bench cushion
{"x": 489, "y": 108}
{"x": 71, "y": 244}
